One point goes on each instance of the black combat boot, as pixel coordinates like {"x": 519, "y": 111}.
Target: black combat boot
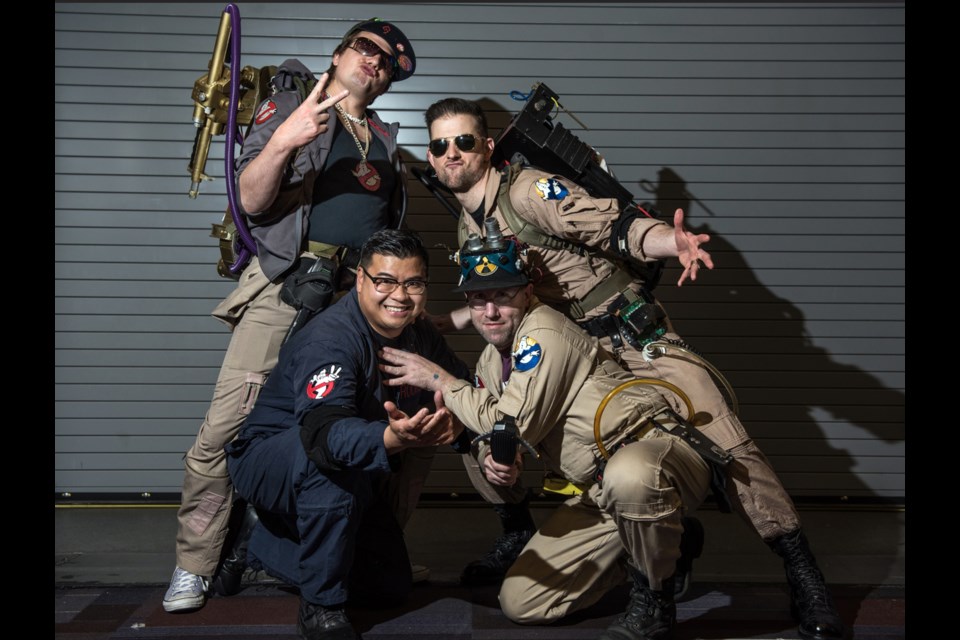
{"x": 316, "y": 622}
{"x": 229, "y": 575}
{"x": 691, "y": 546}
{"x": 810, "y": 602}
{"x": 518, "y": 528}
{"x": 650, "y": 615}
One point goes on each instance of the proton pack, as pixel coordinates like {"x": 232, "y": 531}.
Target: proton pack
{"x": 533, "y": 139}
{"x": 225, "y": 99}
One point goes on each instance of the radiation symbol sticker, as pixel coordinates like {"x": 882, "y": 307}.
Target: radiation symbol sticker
{"x": 485, "y": 267}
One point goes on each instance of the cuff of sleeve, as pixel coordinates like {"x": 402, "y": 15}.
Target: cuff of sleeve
{"x": 643, "y": 236}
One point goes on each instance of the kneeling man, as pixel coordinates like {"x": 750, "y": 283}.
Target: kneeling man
{"x": 607, "y": 432}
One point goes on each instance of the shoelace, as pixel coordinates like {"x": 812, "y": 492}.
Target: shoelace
{"x": 186, "y": 581}
{"x": 809, "y": 580}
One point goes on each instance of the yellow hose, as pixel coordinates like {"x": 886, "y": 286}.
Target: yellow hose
{"x": 662, "y": 346}
{"x": 630, "y": 383}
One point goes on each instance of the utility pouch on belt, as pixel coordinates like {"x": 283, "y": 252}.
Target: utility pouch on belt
{"x": 312, "y": 284}
{"x": 634, "y": 316}
{"x": 643, "y": 319}
{"x": 713, "y": 454}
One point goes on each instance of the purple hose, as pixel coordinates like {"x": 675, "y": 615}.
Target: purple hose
{"x": 248, "y": 247}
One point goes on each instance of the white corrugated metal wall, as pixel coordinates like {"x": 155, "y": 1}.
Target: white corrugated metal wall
{"x": 779, "y": 128}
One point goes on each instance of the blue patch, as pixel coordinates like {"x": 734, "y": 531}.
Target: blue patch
{"x": 527, "y": 354}
{"x": 550, "y": 189}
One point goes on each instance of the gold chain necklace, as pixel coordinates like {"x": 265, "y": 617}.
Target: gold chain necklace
{"x": 366, "y": 174}
{"x": 364, "y": 148}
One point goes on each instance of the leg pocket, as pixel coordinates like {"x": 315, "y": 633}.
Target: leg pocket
{"x": 251, "y": 391}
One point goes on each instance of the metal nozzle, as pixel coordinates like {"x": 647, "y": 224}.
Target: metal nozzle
{"x": 474, "y": 242}
{"x": 494, "y": 236}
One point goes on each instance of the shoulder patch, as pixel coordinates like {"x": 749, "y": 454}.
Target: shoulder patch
{"x": 551, "y": 189}
{"x": 322, "y": 383}
{"x": 267, "y": 109}
{"x": 527, "y": 354}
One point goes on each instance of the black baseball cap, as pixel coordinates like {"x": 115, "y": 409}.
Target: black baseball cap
{"x": 406, "y": 60}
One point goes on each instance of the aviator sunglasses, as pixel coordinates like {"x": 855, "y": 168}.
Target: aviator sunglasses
{"x": 368, "y": 48}
{"x": 464, "y": 142}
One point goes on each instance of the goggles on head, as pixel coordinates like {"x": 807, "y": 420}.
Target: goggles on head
{"x": 481, "y": 263}
{"x": 490, "y": 263}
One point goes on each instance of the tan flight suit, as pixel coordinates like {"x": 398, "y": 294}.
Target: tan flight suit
{"x": 561, "y": 276}
{"x": 559, "y": 379}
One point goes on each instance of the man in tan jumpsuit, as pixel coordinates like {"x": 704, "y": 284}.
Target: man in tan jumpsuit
{"x": 543, "y": 371}
{"x": 585, "y": 280}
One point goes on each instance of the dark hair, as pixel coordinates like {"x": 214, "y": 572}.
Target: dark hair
{"x": 455, "y": 107}
{"x": 399, "y": 243}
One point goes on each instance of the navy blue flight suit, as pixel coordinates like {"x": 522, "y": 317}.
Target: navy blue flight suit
{"x": 310, "y": 458}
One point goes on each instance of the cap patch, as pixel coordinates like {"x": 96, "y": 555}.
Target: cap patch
{"x": 527, "y": 354}
{"x": 321, "y": 384}
{"x": 405, "y": 63}
{"x": 485, "y": 268}
{"x": 550, "y": 189}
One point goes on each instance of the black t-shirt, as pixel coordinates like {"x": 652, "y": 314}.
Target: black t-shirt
{"x": 349, "y": 205}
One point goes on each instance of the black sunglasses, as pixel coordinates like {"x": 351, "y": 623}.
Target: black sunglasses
{"x": 464, "y": 142}
{"x": 368, "y": 48}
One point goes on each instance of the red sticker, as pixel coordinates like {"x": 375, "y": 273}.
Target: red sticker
{"x": 322, "y": 383}
{"x": 267, "y": 109}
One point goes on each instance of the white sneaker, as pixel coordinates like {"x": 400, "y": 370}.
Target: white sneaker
{"x": 186, "y": 591}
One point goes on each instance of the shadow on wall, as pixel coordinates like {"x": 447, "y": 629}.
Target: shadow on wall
{"x": 868, "y": 404}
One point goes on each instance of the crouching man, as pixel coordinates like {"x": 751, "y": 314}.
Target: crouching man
{"x": 543, "y": 373}
{"x": 332, "y": 459}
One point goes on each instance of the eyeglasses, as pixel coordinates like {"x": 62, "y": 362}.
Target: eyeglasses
{"x": 388, "y": 285}
{"x": 368, "y": 48}
{"x": 501, "y": 298}
{"x": 464, "y": 142}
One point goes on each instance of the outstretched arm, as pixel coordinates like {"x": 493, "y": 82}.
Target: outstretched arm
{"x": 664, "y": 241}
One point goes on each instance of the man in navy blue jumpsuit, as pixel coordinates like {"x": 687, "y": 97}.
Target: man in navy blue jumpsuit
{"x": 332, "y": 458}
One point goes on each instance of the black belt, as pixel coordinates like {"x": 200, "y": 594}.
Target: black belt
{"x": 601, "y": 326}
